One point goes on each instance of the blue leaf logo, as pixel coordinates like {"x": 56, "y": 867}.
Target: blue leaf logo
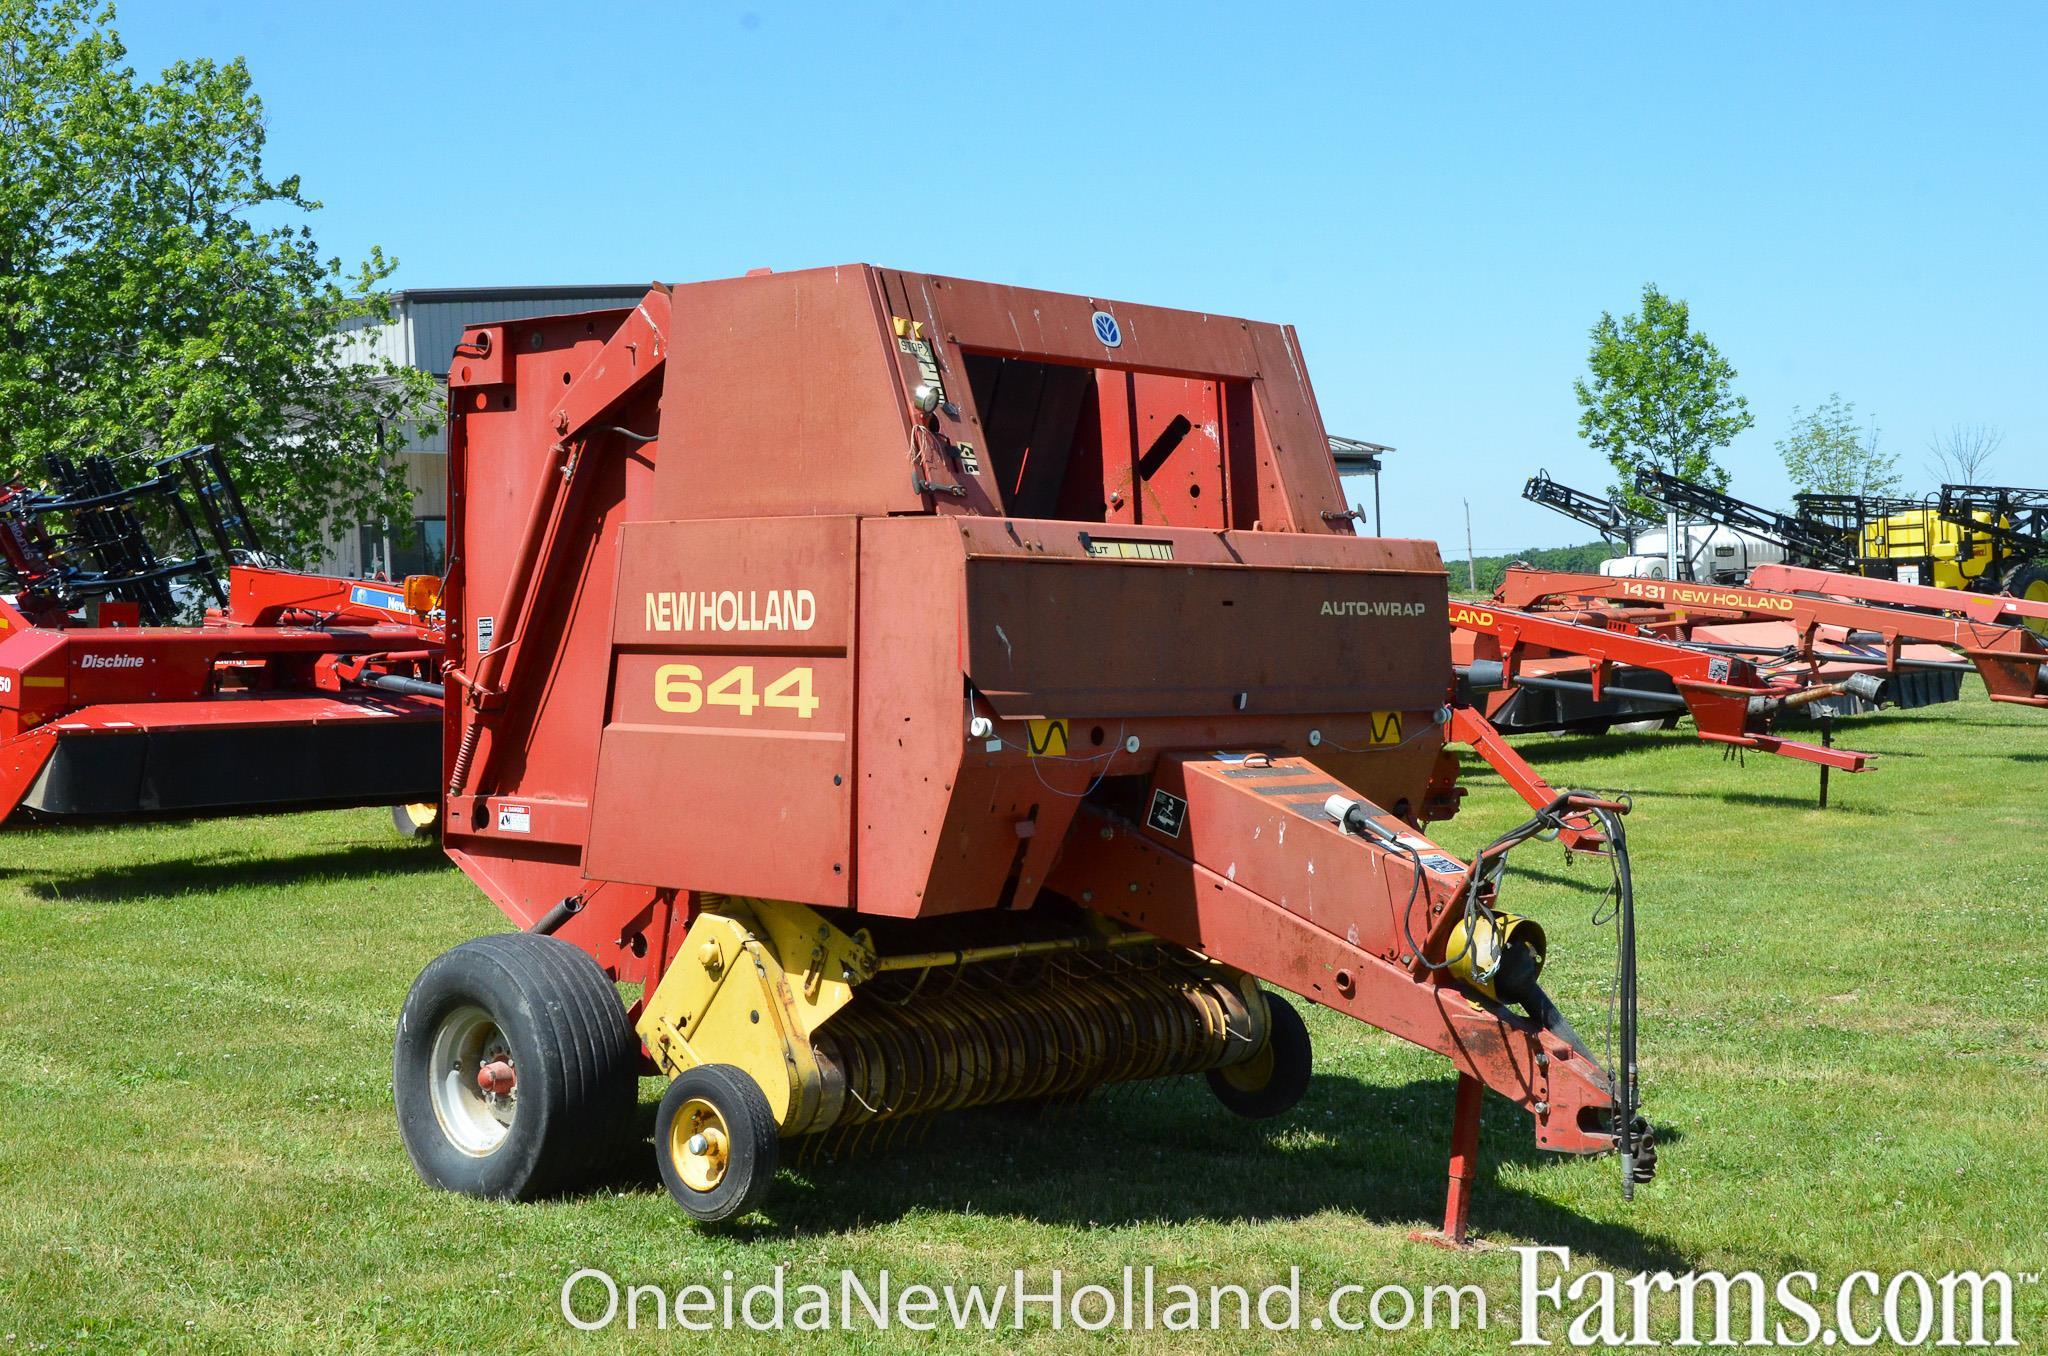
{"x": 1107, "y": 330}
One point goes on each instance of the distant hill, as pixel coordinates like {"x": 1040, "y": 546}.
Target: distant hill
{"x": 1579, "y": 559}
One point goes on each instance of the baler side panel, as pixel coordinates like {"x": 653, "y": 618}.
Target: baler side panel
{"x": 1265, "y": 637}
{"x": 782, "y": 396}
{"x": 912, "y": 713}
{"x": 1078, "y": 637}
{"x": 1292, "y": 427}
{"x": 546, "y": 741}
{"x": 726, "y": 764}
{"x": 520, "y": 829}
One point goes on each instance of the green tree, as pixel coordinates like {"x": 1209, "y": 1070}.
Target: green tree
{"x": 1658, "y": 395}
{"x": 158, "y": 288}
{"x": 1826, "y": 451}
{"x": 1586, "y": 559}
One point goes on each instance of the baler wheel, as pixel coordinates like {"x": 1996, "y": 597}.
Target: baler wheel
{"x": 514, "y": 1069}
{"x": 1272, "y": 1081}
{"x": 715, "y": 1139}
{"x": 421, "y": 821}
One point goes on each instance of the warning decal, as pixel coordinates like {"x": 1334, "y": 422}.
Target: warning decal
{"x": 1168, "y": 813}
{"x": 1048, "y": 738}
{"x": 1120, "y": 548}
{"x": 1386, "y": 727}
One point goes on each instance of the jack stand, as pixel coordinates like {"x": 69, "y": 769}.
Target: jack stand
{"x": 1827, "y": 741}
{"x": 1464, "y": 1167}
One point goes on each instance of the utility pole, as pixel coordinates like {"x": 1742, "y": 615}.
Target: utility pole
{"x": 1471, "y": 565}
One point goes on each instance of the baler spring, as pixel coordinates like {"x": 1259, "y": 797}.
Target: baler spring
{"x": 458, "y": 772}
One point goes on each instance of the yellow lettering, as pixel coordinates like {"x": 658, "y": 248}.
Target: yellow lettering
{"x": 735, "y": 688}
{"x": 676, "y": 688}
{"x": 680, "y": 688}
{"x": 792, "y": 691}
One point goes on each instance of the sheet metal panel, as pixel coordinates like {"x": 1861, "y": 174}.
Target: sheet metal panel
{"x": 726, "y": 762}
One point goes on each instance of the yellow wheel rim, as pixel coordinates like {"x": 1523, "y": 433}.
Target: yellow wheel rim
{"x": 698, "y": 1144}
{"x": 1252, "y": 1075}
{"x": 2037, "y": 592}
{"x": 421, "y": 815}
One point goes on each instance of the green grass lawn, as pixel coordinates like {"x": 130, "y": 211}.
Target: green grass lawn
{"x": 1843, "y": 1045}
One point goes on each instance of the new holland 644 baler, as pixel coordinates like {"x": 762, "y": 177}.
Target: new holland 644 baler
{"x": 934, "y": 694}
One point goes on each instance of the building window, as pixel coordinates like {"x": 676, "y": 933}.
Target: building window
{"x": 420, "y": 547}
{"x": 433, "y": 545}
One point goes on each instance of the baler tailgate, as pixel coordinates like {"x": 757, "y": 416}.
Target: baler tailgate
{"x": 1050, "y": 635}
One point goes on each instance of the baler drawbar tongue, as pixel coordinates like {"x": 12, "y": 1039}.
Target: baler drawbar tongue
{"x": 1269, "y": 865}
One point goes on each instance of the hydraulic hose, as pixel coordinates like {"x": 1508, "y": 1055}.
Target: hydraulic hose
{"x": 1516, "y": 967}
{"x": 1647, "y": 696}
{"x": 1633, "y": 1137}
{"x": 411, "y": 687}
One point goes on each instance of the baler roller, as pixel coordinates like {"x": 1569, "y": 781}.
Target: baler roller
{"x": 838, "y": 1036}
{"x": 1043, "y": 1030}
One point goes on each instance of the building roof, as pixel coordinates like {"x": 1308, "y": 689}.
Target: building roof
{"x": 426, "y": 322}
{"x": 458, "y": 294}
{"x": 1355, "y": 454}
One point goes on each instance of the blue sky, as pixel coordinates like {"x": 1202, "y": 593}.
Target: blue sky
{"x": 1852, "y": 197}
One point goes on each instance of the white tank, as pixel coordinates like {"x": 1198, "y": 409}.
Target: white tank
{"x": 1707, "y": 552}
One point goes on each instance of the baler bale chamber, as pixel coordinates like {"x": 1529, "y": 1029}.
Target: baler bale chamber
{"x": 931, "y": 694}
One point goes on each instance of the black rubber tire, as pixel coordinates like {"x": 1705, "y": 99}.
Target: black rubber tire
{"x": 1293, "y": 1062}
{"x": 575, "y": 1056}
{"x": 2026, "y": 579}
{"x": 752, "y": 1146}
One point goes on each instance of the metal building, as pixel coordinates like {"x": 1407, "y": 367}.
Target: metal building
{"x": 1356, "y": 458}
{"x": 424, "y": 325}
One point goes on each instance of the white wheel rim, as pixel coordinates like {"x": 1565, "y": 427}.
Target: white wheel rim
{"x": 474, "y": 1121}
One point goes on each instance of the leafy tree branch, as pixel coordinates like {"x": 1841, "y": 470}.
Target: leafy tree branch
{"x": 158, "y": 288}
